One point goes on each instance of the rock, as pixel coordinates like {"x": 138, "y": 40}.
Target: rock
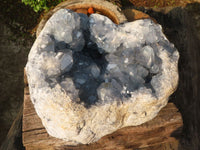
{"x": 66, "y": 60}
{"x": 69, "y": 29}
{"x": 107, "y": 92}
{"x": 91, "y": 77}
{"x": 146, "y": 57}
{"x": 103, "y": 32}
{"x": 95, "y": 71}
{"x": 68, "y": 85}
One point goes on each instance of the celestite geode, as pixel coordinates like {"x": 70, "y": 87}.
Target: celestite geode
{"x": 89, "y": 77}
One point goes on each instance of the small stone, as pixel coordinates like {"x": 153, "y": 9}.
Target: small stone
{"x": 68, "y": 85}
{"x": 137, "y": 70}
{"x": 80, "y": 81}
{"x": 107, "y": 93}
{"x": 69, "y": 32}
{"x": 47, "y": 43}
{"x": 146, "y": 56}
{"x": 112, "y": 67}
{"x": 116, "y": 85}
{"x": 154, "y": 69}
{"x": 95, "y": 71}
{"x": 103, "y": 32}
{"x": 126, "y": 60}
{"x": 66, "y": 61}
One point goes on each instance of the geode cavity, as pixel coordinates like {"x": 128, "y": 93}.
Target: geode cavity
{"x": 89, "y": 77}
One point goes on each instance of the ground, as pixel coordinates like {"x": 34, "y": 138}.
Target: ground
{"x": 15, "y": 43}
{"x": 181, "y": 25}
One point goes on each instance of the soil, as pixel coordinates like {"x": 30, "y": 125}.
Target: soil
{"x": 160, "y": 3}
{"x": 180, "y": 24}
{"x": 16, "y": 20}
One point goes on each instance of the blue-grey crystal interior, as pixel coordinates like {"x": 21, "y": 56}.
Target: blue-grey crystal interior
{"x": 102, "y": 61}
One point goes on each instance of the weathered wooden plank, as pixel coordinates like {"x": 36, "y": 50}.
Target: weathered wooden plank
{"x": 14, "y": 134}
{"x": 153, "y": 133}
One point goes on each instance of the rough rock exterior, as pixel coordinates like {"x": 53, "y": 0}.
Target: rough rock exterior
{"x": 89, "y": 77}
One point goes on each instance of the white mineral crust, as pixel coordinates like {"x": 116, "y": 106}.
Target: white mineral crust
{"x": 82, "y": 93}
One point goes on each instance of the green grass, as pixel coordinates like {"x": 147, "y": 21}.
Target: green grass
{"x": 40, "y": 5}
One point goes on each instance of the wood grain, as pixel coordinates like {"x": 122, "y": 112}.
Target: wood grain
{"x": 133, "y": 14}
{"x": 162, "y": 129}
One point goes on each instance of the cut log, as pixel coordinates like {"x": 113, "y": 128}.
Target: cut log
{"x": 100, "y": 6}
{"x": 165, "y": 128}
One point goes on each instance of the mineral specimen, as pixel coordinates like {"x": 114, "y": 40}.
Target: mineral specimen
{"x": 89, "y": 77}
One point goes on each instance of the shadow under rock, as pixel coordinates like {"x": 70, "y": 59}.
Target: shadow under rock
{"x": 182, "y": 27}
